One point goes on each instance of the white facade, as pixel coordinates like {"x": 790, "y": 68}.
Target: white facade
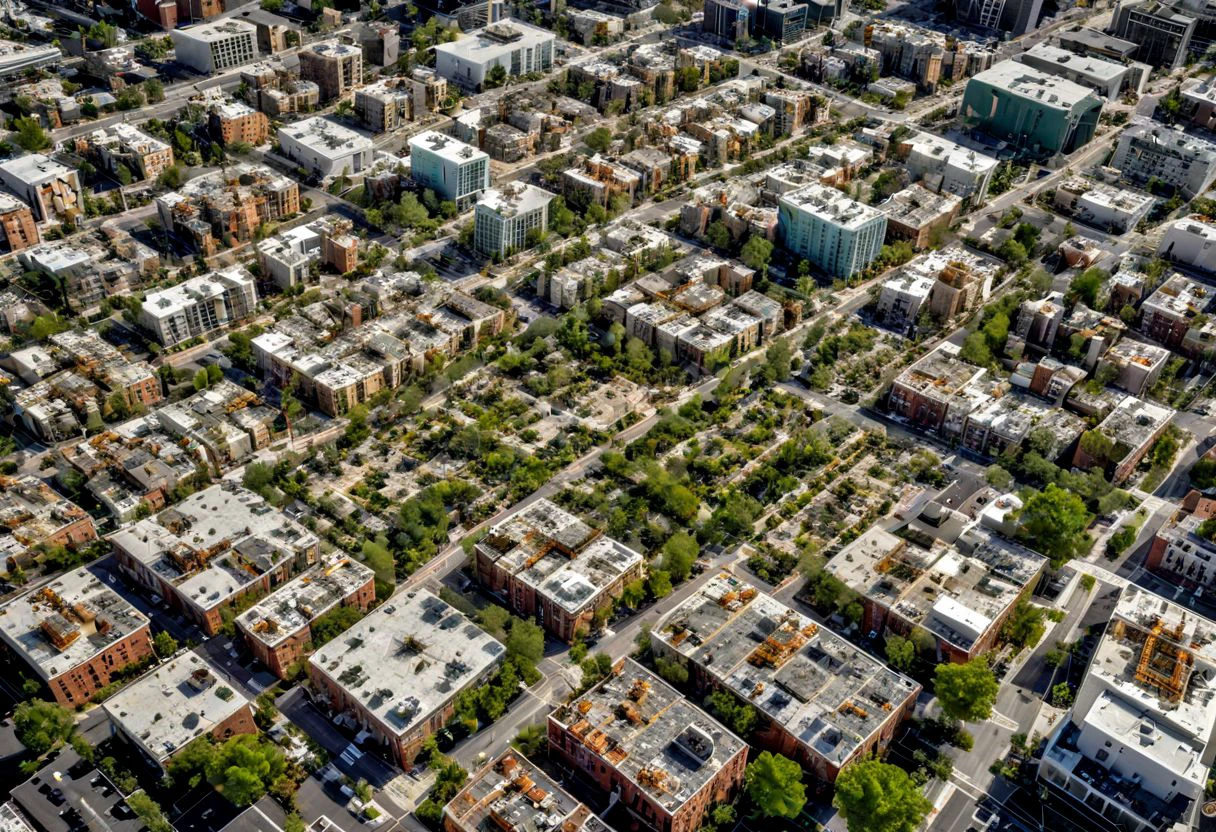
{"x": 211, "y": 47}
{"x": 452, "y": 169}
{"x": 326, "y": 147}
{"x": 50, "y": 189}
{"x": 287, "y": 258}
{"x": 1111, "y": 209}
{"x": 901, "y": 299}
{"x": 517, "y": 47}
{"x": 503, "y": 217}
{"x": 1190, "y": 241}
{"x": 943, "y": 166}
{"x": 1148, "y": 150}
{"x": 199, "y": 306}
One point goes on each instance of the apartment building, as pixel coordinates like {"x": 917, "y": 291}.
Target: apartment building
{"x": 213, "y": 47}
{"x": 935, "y": 393}
{"x": 18, "y": 230}
{"x": 326, "y": 147}
{"x": 75, "y": 633}
{"x": 514, "y": 795}
{"x": 548, "y": 564}
{"x": 336, "y": 68}
{"x": 228, "y": 206}
{"x": 236, "y": 121}
{"x": 1149, "y": 150}
{"x": 35, "y": 515}
{"x": 1106, "y": 78}
{"x": 398, "y": 671}
{"x": 515, "y": 46}
{"x": 1171, "y": 311}
{"x": 51, "y": 189}
{"x": 1136, "y": 747}
{"x": 667, "y": 762}
{"x": 504, "y": 217}
{"x": 1161, "y": 33}
{"x": 838, "y": 235}
{"x": 1132, "y": 428}
{"x": 1105, "y": 207}
{"x": 199, "y": 306}
{"x": 277, "y": 629}
{"x": 180, "y": 701}
{"x": 125, "y": 145}
{"x": 1190, "y": 241}
{"x": 945, "y": 167}
{"x": 453, "y": 170}
{"x": 820, "y": 700}
{"x": 385, "y": 105}
{"x": 213, "y": 548}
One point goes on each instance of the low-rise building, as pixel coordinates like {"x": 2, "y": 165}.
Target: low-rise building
{"x": 902, "y": 298}
{"x": 919, "y": 215}
{"x": 1190, "y": 241}
{"x": 51, "y": 189}
{"x": 1106, "y": 78}
{"x": 515, "y": 47}
{"x": 1139, "y": 364}
{"x": 209, "y": 48}
{"x": 1006, "y": 423}
{"x": 75, "y": 633}
{"x": 179, "y": 702}
{"x": 212, "y": 549}
{"x": 1172, "y": 310}
{"x": 1148, "y": 150}
{"x": 230, "y": 206}
{"x": 1116, "y": 210}
{"x": 1131, "y": 428}
{"x": 385, "y": 105}
{"x": 945, "y": 167}
{"x": 237, "y": 122}
{"x": 326, "y": 147}
{"x": 35, "y": 515}
{"x": 638, "y": 738}
{"x": 935, "y": 392}
{"x": 1137, "y": 745}
{"x": 1182, "y": 550}
{"x": 398, "y": 671}
{"x": 199, "y": 306}
{"x": 277, "y": 629}
{"x": 514, "y": 795}
{"x": 504, "y": 218}
{"x": 18, "y": 230}
{"x": 820, "y": 700}
{"x": 959, "y": 594}
{"x": 549, "y": 564}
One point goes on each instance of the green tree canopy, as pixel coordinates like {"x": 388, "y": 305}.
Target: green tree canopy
{"x": 966, "y": 692}
{"x": 901, "y": 653}
{"x": 42, "y": 725}
{"x": 679, "y": 554}
{"x": 243, "y": 768}
{"x": 875, "y": 796}
{"x": 166, "y": 644}
{"x": 1053, "y": 522}
{"x": 774, "y": 786}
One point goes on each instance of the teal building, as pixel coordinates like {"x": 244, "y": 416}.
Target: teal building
{"x": 1031, "y": 109}
{"x": 839, "y": 235}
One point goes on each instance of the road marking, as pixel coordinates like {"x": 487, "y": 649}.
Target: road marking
{"x": 1003, "y": 721}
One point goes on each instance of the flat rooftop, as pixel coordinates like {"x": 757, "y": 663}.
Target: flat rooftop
{"x": 940, "y": 374}
{"x": 818, "y": 687}
{"x": 952, "y": 153}
{"x": 1093, "y": 69}
{"x": 830, "y": 205}
{"x": 303, "y": 599}
{"x": 513, "y": 795}
{"x": 955, "y": 592}
{"x": 218, "y": 30}
{"x": 446, "y": 147}
{"x": 174, "y": 704}
{"x": 560, "y": 556}
{"x": 1132, "y": 423}
{"x": 67, "y": 622}
{"x": 407, "y": 658}
{"x": 215, "y": 543}
{"x": 34, "y": 168}
{"x": 327, "y": 137}
{"x": 495, "y": 41}
{"x": 1034, "y": 85}
{"x": 654, "y": 737}
{"x": 514, "y": 198}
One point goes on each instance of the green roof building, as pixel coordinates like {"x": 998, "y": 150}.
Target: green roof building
{"x": 1033, "y": 110}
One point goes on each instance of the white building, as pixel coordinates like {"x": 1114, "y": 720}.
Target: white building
{"x": 199, "y": 305}
{"x": 452, "y": 169}
{"x": 902, "y": 299}
{"x": 1104, "y": 77}
{"x": 1138, "y": 743}
{"x": 1191, "y": 241}
{"x": 504, "y": 216}
{"x": 1117, "y": 210}
{"x": 287, "y": 257}
{"x": 52, "y": 190}
{"x": 326, "y": 147}
{"x": 517, "y": 47}
{"x": 943, "y": 166}
{"x": 1148, "y": 150}
{"x": 212, "y": 47}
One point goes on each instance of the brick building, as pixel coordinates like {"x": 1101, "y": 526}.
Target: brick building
{"x": 634, "y": 736}
{"x": 76, "y": 633}
{"x": 18, "y": 230}
{"x": 238, "y": 122}
{"x": 278, "y": 629}
{"x": 548, "y": 564}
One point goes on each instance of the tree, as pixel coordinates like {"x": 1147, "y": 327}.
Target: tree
{"x": 526, "y": 642}
{"x": 154, "y": 90}
{"x": 901, "y": 653}
{"x": 679, "y": 554}
{"x": 334, "y": 623}
{"x": 497, "y": 76}
{"x": 599, "y": 139}
{"x": 243, "y": 768}
{"x": 378, "y": 557}
{"x": 966, "y": 692}
{"x": 756, "y": 253}
{"x": 718, "y": 235}
{"x": 875, "y": 796}
{"x": 30, "y": 135}
{"x": 778, "y": 361}
{"x": 149, "y": 812}
{"x": 774, "y": 786}
{"x": 166, "y": 644}
{"x": 975, "y": 350}
{"x": 42, "y": 725}
{"x": 171, "y": 177}
{"x": 1085, "y": 286}
{"x": 1024, "y": 627}
{"x": 998, "y": 477}
{"x": 1053, "y": 522}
